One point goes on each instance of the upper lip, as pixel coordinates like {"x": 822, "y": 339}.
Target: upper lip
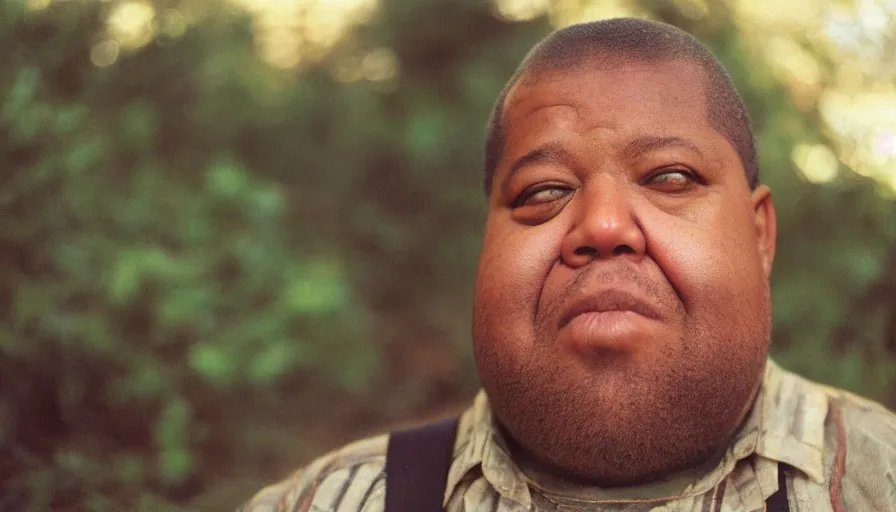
{"x": 609, "y": 300}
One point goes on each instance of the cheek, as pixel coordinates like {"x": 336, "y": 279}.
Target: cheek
{"x": 514, "y": 263}
{"x": 712, "y": 259}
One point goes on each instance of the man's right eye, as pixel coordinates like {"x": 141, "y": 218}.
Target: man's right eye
{"x": 541, "y": 195}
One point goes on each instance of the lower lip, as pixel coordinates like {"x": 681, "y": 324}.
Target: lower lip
{"x": 607, "y": 329}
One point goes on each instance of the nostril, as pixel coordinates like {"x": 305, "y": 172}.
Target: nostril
{"x": 623, "y": 249}
{"x": 586, "y": 251}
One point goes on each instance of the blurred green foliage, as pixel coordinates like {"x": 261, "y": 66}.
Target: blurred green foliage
{"x": 212, "y": 269}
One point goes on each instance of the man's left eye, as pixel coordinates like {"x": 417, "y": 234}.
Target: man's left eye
{"x": 546, "y": 195}
{"x": 673, "y": 178}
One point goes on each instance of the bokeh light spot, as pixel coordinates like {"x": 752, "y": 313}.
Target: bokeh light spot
{"x": 521, "y": 10}
{"x": 816, "y": 162}
{"x": 132, "y": 24}
{"x": 104, "y": 53}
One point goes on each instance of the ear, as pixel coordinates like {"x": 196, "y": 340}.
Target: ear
{"x": 766, "y": 225}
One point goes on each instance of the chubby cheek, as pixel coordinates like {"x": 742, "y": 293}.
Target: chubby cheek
{"x": 711, "y": 260}
{"x": 513, "y": 266}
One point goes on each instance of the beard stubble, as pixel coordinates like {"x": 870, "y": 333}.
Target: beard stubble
{"x": 611, "y": 423}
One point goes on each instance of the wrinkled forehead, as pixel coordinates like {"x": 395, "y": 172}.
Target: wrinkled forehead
{"x": 612, "y": 84}
{"x": 623, "y": 102}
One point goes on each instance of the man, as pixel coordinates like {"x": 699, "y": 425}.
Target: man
{"x": 621, "y": 318}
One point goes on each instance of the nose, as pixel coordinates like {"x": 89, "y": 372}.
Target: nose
{"x": 604, "y": 225}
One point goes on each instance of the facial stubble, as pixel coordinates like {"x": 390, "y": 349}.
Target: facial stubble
{"x": 609, "y": 424}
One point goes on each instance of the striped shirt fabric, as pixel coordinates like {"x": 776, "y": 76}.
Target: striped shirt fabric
{"x": 839, "y": 450}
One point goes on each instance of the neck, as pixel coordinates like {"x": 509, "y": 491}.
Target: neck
{"x": 556, "y": 481}
{"x": 560, "y": 482}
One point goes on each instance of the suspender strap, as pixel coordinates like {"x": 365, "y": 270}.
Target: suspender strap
{"x": 777, "y": 502}
{"x": 417, "y": 462}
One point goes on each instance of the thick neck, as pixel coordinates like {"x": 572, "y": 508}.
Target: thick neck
{"x": 554, "y": 482}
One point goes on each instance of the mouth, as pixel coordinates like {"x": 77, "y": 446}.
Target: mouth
{"x": 609, "y": 301}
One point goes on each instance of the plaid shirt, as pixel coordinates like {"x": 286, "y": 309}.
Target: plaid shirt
{"x": 842, "y": 446}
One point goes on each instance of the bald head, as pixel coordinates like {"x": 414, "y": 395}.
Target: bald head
{"x": 604, "y": 43}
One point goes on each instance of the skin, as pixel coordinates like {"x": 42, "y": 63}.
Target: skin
{"x": 614, "y": 188}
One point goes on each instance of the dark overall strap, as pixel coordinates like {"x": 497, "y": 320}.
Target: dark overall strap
{"x": 418, "y": 459}
{"x": 417, "y": 463}
{"x": 777, "y": 502}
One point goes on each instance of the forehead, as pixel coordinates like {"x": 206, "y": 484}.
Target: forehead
{"x": 629, "y": 98}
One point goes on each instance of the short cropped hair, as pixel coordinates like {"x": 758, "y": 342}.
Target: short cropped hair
{"x": 632, "y": 39}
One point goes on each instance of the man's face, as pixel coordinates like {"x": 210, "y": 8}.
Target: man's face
{"x": 622, "y": 315}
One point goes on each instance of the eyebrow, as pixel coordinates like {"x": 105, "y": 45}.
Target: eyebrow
{"x": 550, "y": 153}
{"x": 648, "y": 143}
{"x": 553, "y": 152}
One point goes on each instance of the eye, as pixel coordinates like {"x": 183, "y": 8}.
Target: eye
{"x": 541, "y": 195}
{"x": 673, "y": 180}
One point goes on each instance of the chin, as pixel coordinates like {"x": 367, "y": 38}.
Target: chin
{"x": 627, "y": 416}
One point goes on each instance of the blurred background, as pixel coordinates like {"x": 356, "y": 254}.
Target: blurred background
{"x": 236, "y": 234}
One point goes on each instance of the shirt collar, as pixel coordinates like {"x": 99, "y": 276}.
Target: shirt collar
{"x": 793, "y": 412}
{"x": 479, "y": 443}
{"x": 785, "y": 424}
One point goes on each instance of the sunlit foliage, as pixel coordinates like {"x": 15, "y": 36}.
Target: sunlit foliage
{"x": 232, "y": 238}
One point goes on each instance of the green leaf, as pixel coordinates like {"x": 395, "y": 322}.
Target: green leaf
{"x": 183, "y": 306}
{"x": 227, "y": 180}
{"x": 265, "y": 204}
{"x": 171, "y": 425}
{"x": 272, "y": 363}
{"x": 70, "y": 119}
{"x": 126, "y": 277}
{"x": 22, "y": 93}
{"x": 317, "y": 289}
{"x": 213, "y": 362}
{"x": 82, "y": 157}
{"x": 175, "y": 462}
{"x": 175, "y": 465}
